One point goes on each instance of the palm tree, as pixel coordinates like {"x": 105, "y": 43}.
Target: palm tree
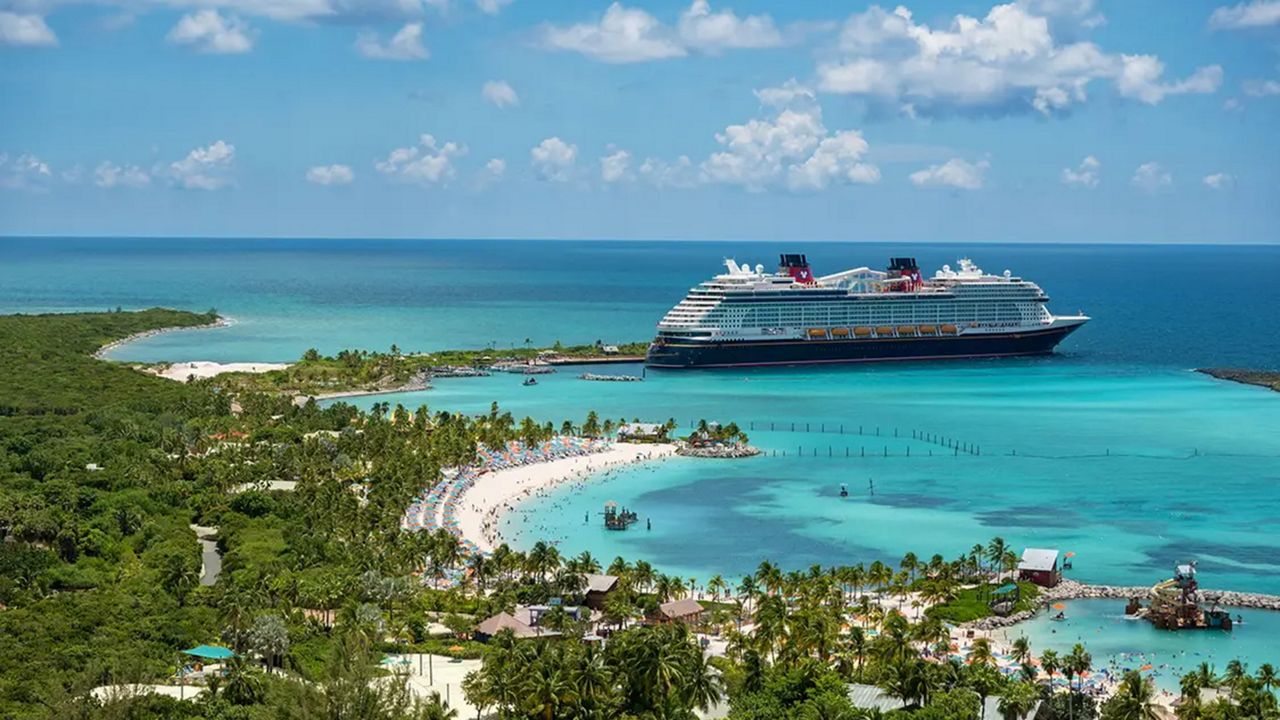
{"x": 980, "y": 653}
{"x": 1133, "y": 699}
{"x": 715, "y": 586}
{"x": 1267, "y": 676}
{"x": 983, "y": 680}
{"x": 1049, "y": 661}
{"x": 702, "y": 683}
{"x": 996, "y": 550}
{"x": 1017, "y": 700}
{"x": 1021, "y": 650}
{"x": 1081, "y": 662}
{"x": 910, "y": 563}
{"x": 548, "y": 689}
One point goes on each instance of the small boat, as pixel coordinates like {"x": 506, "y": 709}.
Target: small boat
{"x": 844, "y": 491}
{"x": 1059, "y": 617}
{"x": 529, "y": 381}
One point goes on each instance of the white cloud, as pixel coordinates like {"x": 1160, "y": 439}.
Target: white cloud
{"x": 210, "y": 32}
{"x": 836, "y": 158}
{"x": 24, "y": 172}
{"x": 331, "y": 175}
{"x": 1008, "y": 61}
{"x": 1258, "y": 13}
{"x": 496, "y": 167}
{"x": 492, "y": 7}
{"x": 25, "y": 30}
{"x": 709, "y": 31}
{"x": 109, "y": 175}
{"x": 628, "y": 35}
{"x": 623, "y": 35}
{"x": 1219, "y": 181}
{"x": 426, "y": 163}
{"x": 663, "y": 174}
{"x": 1261, "y": 88}
{"x": 615, "y": 166}
{"x": 1084, "y": 176}
{"x": 553, "y": 159}
{"x": 406, "y": 44}
{"x": 1140, "y": 78}
{"x": 1151, "y": 177}
{"x": 792, "y": 147}
{"x": 956, "y": 173}
{"x": 500, "y": 93}
{"x": 788, "y": 93}
{"x": 205, "y": 168}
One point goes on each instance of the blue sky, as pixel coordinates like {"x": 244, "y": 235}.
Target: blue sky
{"x": 1034, "y": 121}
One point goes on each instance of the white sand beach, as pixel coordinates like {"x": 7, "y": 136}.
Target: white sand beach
{"x": 480, "y": 507}
{"x": 201, "y": 369}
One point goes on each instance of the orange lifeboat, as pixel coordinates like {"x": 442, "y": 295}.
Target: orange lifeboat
{"x": 862, "y": 332}
{"x": 817, "y": 332}
{"x": 884, "y": 331}
{"x": 949, "y": 329}
{"x": 906, "y": 329}
{"x": 928, "y": 330}
{"x": 839, "y": 332}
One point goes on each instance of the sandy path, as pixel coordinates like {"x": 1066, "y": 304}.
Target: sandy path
{"x": 480, "y": 507}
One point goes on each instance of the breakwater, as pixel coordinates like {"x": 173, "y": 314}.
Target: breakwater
{"x": 718, "y": 451}
{"x": 1073, "y": 590}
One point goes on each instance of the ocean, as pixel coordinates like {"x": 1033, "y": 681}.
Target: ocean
{"x": 1112, "y": 449}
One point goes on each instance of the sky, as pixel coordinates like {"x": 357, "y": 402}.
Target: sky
{"x": 1134, "y": 121}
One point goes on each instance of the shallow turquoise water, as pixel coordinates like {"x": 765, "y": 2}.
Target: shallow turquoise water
{"x": 1132, "y": 471}
{"x": 1120, "y": 644}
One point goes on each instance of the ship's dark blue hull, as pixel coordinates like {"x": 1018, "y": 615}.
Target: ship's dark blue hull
{"x": 693, "y": 354}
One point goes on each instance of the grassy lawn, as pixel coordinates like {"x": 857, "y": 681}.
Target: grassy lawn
{"x": 973, "y": 603}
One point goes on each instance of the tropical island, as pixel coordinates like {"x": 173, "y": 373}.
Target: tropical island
{"x": 329, "y": 594}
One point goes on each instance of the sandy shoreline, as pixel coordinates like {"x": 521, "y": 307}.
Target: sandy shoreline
{"x": 202, "y": 369}
{"x": 480, "y": 507}
{"x": 101, "y": 353}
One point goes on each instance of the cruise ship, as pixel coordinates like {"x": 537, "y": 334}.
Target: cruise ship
{"x": 746, "y": 316}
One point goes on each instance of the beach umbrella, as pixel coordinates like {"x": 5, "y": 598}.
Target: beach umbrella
{"x": 1145, "y": 667}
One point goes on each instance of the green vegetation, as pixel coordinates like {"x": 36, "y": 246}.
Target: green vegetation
{"x": 361, "y": 370}
{"x": 973, "y": 603}
{"x": 102, "y": 469}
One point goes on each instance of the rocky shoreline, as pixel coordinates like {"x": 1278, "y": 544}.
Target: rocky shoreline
{"x": 718, "y": 451}
{"x": 1073, "y": 590}
{"x": 101, "y": 352}
{"x": 1262, "y": 378}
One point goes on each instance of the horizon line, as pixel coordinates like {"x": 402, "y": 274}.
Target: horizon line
{"x": 319, "y": 238}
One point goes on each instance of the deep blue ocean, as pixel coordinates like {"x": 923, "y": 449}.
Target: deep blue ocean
{"x": 1113, "y": 448}
{"x": 1180, "y": 306}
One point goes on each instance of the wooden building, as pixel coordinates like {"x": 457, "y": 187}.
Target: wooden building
{"x": 1040, "y": 566}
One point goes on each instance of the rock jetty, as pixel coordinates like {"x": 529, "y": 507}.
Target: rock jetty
{"x": 610, "y": 378}
{"x": 717, "y": 451}
{"x": 1262, "y": 378}
{"x": 1073, "y": 590}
